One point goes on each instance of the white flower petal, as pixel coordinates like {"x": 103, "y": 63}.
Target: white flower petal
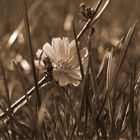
{"x": 75, "y": 73}
{"x": 56, "y": 44}
{"x": 49, "y": 51}
{"x": 71, "y": 49}
{"x": 73, "y": 81}
{"x": 39, "y": 53}
{"x": 63, "y": 81}
{"x": 65, "y": 41}
{"x": 74, "y": 60}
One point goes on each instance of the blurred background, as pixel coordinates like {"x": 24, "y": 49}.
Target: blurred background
{"x": 53, "y": 18}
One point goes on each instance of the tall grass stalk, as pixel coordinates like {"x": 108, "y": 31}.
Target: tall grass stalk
{"x": 28, "y": 37}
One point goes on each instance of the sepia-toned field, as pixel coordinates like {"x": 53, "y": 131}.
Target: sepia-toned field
{"x": 84, "y": 83}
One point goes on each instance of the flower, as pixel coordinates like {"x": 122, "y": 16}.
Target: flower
{"x": 64, "y": 59}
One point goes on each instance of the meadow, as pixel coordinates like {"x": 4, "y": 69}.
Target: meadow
{"x": 69, "y": 69}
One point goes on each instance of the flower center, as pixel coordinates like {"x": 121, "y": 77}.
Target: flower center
{"x": 62, "y": 65}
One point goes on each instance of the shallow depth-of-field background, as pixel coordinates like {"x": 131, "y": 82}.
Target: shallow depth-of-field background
{"x": 53, "y": 18}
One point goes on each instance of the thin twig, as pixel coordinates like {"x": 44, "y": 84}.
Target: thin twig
{"x": 23, "y": 100}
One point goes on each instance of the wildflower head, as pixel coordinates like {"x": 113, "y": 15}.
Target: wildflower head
{"x": 63, "y": 57}
{"x": 87, "y": 12}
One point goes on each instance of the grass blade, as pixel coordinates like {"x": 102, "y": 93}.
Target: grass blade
{"x": 28, "y": 37}
{"x": 121, "y": 59}
{"x": 5, "y": 85}
{"x": 78, "y": 52}
{"x": 131, "y": 108}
